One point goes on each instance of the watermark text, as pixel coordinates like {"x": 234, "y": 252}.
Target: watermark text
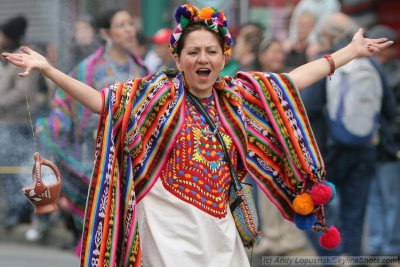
{"x": 328, "y": 260}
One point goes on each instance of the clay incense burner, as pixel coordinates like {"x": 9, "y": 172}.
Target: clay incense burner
{"x": 43, "y": 197}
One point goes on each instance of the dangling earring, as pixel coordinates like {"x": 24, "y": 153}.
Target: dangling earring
{"x": 219, "y": 83}
{"x": 185, "y": 85}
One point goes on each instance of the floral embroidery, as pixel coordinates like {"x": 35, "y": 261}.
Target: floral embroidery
{"x": 196, "y": 171}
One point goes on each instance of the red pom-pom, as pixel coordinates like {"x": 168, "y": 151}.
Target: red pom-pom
{"x": 330, "y": 239}
{"x": 321, "y": 193}
{"x": 303, "y": 204}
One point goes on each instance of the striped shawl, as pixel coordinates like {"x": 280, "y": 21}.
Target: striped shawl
{"x": 141, "y": 118}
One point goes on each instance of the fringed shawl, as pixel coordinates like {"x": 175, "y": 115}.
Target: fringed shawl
{"x": 141, "y": 118}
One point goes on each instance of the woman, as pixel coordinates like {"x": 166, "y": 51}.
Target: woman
{"x": 271, "y": 56}
{"x": 69, "y": 131}
{"x": 160, "y": 170}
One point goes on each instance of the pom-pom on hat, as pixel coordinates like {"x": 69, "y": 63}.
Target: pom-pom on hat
{"x": 211, "y": 17}
{"x": 14, "y": 28}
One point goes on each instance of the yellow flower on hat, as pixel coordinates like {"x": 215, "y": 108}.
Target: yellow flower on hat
{"x": 206, "y": 13}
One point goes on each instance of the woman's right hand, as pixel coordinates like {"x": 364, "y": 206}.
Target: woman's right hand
{"x": 29, "y": 59}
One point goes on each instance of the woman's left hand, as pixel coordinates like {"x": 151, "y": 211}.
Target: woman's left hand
{"x": 365, "y": 47}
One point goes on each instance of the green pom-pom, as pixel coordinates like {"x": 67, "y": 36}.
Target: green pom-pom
{"x": 184, "y": 22}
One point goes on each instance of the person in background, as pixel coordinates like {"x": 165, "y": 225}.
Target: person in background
{"x": 141, "y": 47}
{"x": 16, "y": 133}
{"x": 271, "y": 56}
{"x": 365, "y": 13}
{"x": 85, "y": 39}
{"x": 383, "y": 210}
{"x": 297, "y": 49}
{"x": 68, "y": 133}
{"x": 320, "y": 9}
{"x": 160, "y": 184}
{"x": 160, "y": 58}
{"x": 350, "y": 166}
{"x": 244, "y": 56}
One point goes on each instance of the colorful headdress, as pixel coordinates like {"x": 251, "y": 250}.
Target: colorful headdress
{"x": 208, "y": 16}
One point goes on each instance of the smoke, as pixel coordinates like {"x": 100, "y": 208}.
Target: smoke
{"x": 16, "y": 161}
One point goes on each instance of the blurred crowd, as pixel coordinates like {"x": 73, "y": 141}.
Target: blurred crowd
{"x": 111, "y": 48}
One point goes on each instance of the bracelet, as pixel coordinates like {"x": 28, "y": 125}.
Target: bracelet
{"x": 331, "y": 65}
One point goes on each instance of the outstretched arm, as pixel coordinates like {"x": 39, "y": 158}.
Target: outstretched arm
{"x": 314, "y": 71}
{"x": 31, "y": 60}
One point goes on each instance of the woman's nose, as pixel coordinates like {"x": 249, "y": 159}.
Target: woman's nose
{"x": 203, "y": 58}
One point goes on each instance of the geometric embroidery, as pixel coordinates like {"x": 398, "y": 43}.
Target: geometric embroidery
{"x": 196, "y": 171}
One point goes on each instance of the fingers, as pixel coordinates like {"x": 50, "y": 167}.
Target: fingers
{"x": 380, "y": 41}
{"x": 387, "y": 42}
{"x": 373, "y": 49}
{"x": 382, "y": 44}
{"x": 359, "y": 34}
{"x": 5, "y": 55}
{"x": 26, "y": 50}
{"x": 24, "y": 74}
{"x": 15, "y": 59}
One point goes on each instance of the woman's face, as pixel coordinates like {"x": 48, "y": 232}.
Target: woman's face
{"x": 304, "y": 26}
{"x": 273, "y": 58}
{"x": 201, "y": 60}
{"x": 84, "y": 33}
{"x": 122, "y": 32}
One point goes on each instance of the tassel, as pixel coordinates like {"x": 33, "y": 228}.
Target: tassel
{"x": 321, "y": 193}
{"x": 304, "y": 222}
{"x": 330, "y": 239}
{"x": 303, "y": 204}
{"x": 333, "y": 190}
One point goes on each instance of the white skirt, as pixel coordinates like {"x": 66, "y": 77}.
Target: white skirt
{"x": 176, "y": 233}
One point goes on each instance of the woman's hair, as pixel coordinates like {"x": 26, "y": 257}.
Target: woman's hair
{"x": 14, "y": 29}
{"x": 266, "y": 43}
{"x": 253, "y": 40}
{"x": 104, "y": 18}
{"x": 196, "y": 27}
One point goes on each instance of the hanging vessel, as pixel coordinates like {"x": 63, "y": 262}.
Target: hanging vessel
{"x": 43, "y": 197}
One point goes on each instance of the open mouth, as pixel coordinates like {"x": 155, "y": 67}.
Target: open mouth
{"x": 203, "y": 73}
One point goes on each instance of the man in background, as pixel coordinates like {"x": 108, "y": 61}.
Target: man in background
{"x": 16, "y": 133}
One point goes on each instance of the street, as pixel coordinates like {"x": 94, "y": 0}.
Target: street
{"x": 22, "y": 255}
{"x": 15, "y": 251}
